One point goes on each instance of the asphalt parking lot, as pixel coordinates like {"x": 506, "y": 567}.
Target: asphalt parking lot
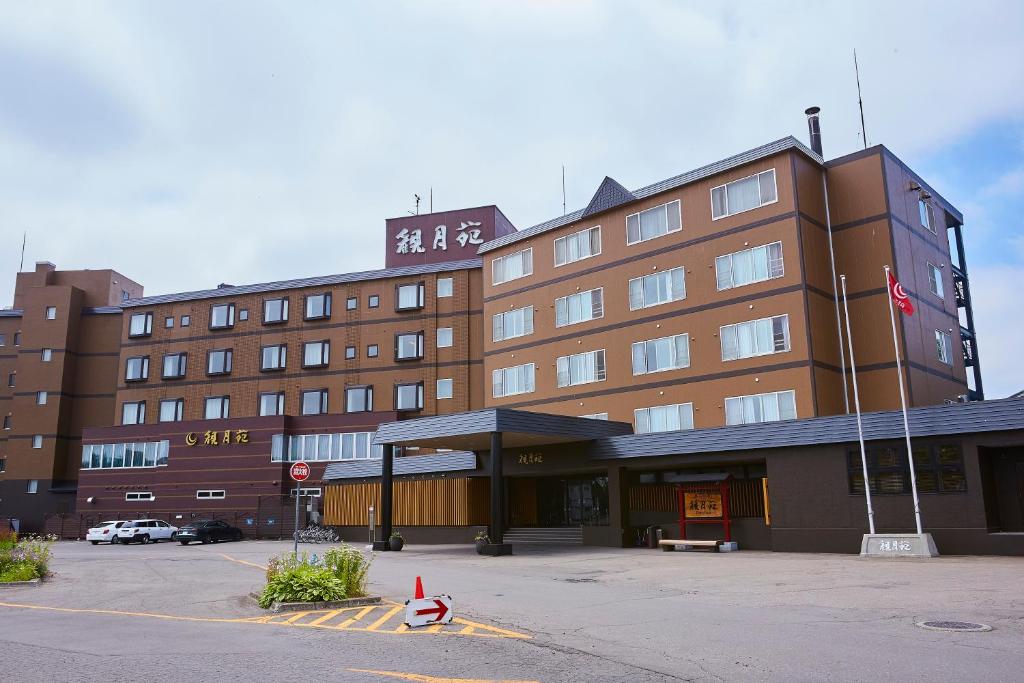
{"x": 577, "y": 614}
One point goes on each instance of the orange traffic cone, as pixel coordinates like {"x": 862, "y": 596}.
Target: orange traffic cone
{"x": 419, "y": 588}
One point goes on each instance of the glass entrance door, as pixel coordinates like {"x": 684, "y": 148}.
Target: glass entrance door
{"x": 572, "y": 502}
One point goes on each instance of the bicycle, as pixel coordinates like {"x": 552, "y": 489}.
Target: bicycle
{"x": 314, "y": 533}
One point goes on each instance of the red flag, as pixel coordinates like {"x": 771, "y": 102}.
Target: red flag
{"x": 899, "y": 295}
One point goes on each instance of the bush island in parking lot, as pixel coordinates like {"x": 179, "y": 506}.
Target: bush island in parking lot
{"x": 341, "y": 573}
{"x": 25, "y": 559}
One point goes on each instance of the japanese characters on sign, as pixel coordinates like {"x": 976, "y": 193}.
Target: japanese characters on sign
{"x": 531, "y": 459}
{"x": 895, "y": 545}
{"x": 703, "y": 504}
{"x": 218, "y": 438}
{"x": 442, "y": 237}
{"x": 410, "y": 241}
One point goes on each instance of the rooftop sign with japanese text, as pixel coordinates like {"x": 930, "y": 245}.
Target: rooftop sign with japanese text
{"x": 445, "y": 236}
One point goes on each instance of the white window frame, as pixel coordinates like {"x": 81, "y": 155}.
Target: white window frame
{"x": 578, "y": 236}
{"x": 500, "y": 320}
{"x": 567, "y": 303}
{"x": 32, "y": 486}
{"x": 944, "y": 347}
{"x": 51, "y": 312}
{"x": 529, "y": 383}
{"x": 643, "y": 289}
{"x": 735, "y": 328}
{"x": 639, "y": 219}
{"x": 925, "y": 215}
{"x": 445, "y": 388}
{"x": 37, "y": 441}
{"x": 443, "y": 332}
{"x": 527, "y": 268}
{"x": 307, "y": 493}
{"x": 679, "y": 408}
{"x": 211, "y": 494}
{"x": 41, "y": 398}
{"x": 935, "y": 280}
{"x": 445, "y": 287}
{"x": 564, "y": 368}
{"x": 761, "y": 203}
{"x": 642, "y": 344}
{"x": 781, "y": 272}
{"x": 46, "y": 355}
{"x": 135, "y": 496}
{"x": 762, "y": 397}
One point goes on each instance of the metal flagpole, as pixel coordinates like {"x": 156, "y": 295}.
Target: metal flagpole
{"x": 856, "y": 403}
{"x": 903, "y": 403}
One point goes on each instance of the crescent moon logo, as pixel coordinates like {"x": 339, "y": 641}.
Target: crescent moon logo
{"x": 899, "y": 291}
{"x": 190, "y": 439}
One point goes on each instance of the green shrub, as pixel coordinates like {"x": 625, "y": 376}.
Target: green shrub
{"x": 350, "y": 567}
{"x": 302, "y": 583}
{"x": 28, "y": 558}
{"x": 18, "y": 572}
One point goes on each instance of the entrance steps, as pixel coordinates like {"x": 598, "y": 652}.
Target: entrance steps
{"x": 544, "y": 535}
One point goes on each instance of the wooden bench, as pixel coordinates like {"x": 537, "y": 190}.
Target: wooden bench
{"x": 669, "y": 545}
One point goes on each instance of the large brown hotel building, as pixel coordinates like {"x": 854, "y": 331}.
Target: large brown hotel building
{"x": 703, "y": 302}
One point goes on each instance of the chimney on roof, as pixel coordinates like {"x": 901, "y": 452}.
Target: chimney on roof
{"x": 814, "y": 128}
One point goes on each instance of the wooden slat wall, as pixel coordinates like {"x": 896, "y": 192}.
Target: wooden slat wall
{"x": 424, "y": 502}
{"x": 746, "y": 498}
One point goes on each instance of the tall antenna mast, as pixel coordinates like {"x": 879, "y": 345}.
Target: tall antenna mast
{"x": 417, "y": 204}
{"x": 860, "y": 101}
{"x": 431, "y": 199}
{"x": 24, "y": 236}
{"x": 563, "y": 189}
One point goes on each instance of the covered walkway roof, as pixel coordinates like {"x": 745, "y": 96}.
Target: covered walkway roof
{"x": 471, "y": 431}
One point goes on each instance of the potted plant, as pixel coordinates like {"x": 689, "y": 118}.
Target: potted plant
{"x": 396, "y": 541}
{"x": 481, "y": 539}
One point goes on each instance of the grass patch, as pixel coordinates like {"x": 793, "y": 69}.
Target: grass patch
{"x": 24, "y": 559}
{"x": 340, "y": 573}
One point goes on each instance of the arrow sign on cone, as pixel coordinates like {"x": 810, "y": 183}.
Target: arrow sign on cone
{"x": 433, "y": 610}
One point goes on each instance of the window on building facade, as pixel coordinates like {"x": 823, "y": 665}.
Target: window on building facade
{"x": 579, "y": 307}
{"x": 664, "y": 418}
{"x": 216, "y": 407}
{"x": 12, "y": 378}
{"x": 222, "y": 316}
{"x": 512, "y": 267}
{"x": 17, "y": 338}
{"x": 510, "y": 324}
{"x": 359, "y": 399}
{"x": 664, "y": 353}
{"x": 140, "y": 325}
{"x": 243, "y": 314}
{"x": 518, "y": 379}
{"x": 273, "y": 357}
{"x": 935, "y": 281}
{"x": 46, "y": 355}
{"x": 218, "y": 362}
{"x": 275, "y": 311}
{"x": 350, "y": 352}
{"x": 351, "y": 303}
{"x": 372, "y": 351}
{"x": 744, "y": 194}
{"x": 174, "y": 365}
{"x": 755, "y": 338}
{"x": 32, "y": 486}
{"x": 580, "y": 368}
{"x": 578, "y": 246}
{"x": 444, "y": 388}
{"x": 749, "y": 265}
{"x": 769, "y": 407}
{"x": 136, "y": 369}
{"x": 139, "y": 496}
{"x": 3, "y": 464}
{"x": 595, "y": 416}
{"x": 51, "y": 312}
{"x": 41, "y": 398}
{"x": 444, "y": 337}
{"x": 37, "y": 441}
{"x": 169, "y": 322}
{"x": 310, "y": 447}
{"x": 939, "y": 468}
{"x": 409, "y": 346}
{"x": 133, "y": 413}
{"x": 172, "y": 410}
{"x": 186, "y": 320}
{"x": 313, "y": 402}
{"x": 272, "y": 403}
{"x": 924, "y": 212}
{"x": 410, "y": 297}
{"x": 656, "y": 289}
{"x": 445, "y": 287}
{"x": 3, "y": 340}
{"x": 7, "y": 421}
{"x": 316, "y": 354}
{"x": 211, "y": 494}
{"x": 318, "y": 306}
{"x": 373, "y": 301}
{"x": 654, "y": 222}
{"x": 409, "y": 396}
{"x": 944, "y": 346}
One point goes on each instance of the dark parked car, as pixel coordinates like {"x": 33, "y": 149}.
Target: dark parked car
{"x": 208, "y": 531}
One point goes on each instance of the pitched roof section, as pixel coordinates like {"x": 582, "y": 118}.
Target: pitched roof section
{"x": 413, "y": 464}
{"x": 343, "y": 278}
{"x": 747, "y": 157}
{"x": 609, "y": 195}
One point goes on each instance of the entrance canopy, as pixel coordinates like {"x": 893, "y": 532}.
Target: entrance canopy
{"x": 471, "y": 431}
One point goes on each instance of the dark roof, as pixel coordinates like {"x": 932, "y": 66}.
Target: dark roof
{"x": 413, "y": 464}
{"x": 102, "y": 310}
{"x": 471, "y": 430}
{"x": 11, "y": 312}
{"x": 941, "y": 420}
{"x": 717, "y": 167}
{"x": 609, "y": 195}
{"x": 343, "y": 278}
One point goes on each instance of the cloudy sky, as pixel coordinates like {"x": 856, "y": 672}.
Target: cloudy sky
{"x": 188, "y": 144}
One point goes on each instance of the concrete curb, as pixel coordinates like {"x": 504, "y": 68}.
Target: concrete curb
{"x": 336, "y": 604}
{"x": 32, "y": 583}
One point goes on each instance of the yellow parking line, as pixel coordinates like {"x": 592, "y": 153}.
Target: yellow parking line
{"x": 380, "y": 622}
{"x": 424, "y": 678}
{"x": 295, "y": 617}
{"x": 362, "y": 613}
{"x": 250, "y": 564}
{"x": 120, "y": 613}
{"x": 326, "y": 617}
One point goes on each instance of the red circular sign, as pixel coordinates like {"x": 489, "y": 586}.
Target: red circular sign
{"x": 299, "y": 471}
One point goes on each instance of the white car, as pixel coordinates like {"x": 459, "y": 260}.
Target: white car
{"x": 104, "y": 532}
{"x": 146, "y": 530}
